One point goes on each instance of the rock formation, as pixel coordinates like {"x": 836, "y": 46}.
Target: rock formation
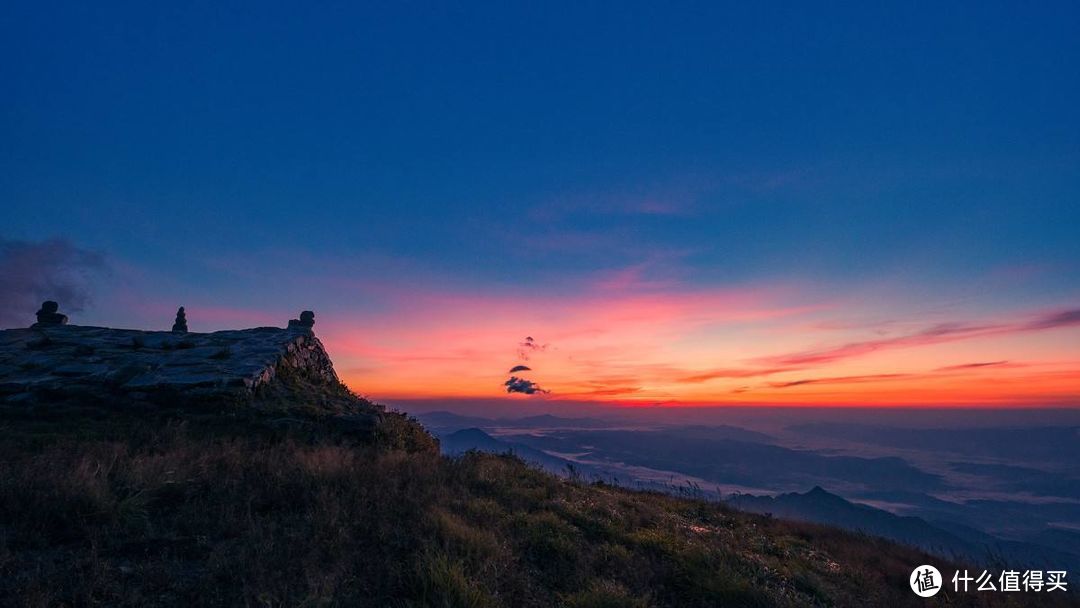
{"x": 124, "y": 367}
{"x": 48, "y": 315}
{"x": 306, "y": 321}
{"x": 180, "y": 325}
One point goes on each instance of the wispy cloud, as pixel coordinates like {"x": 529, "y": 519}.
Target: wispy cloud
{"x": 529, "y": 347}
{"x": 840, "y": 380}
{"x": 593, "y": 393}
{"x": 933, "y": 335}
{"x": 1064, "y": 318}
{"x": 624, "y": 336}
{"x": 937, "y": 334}
{"x": 31, "y": 272}
{"x": 649, "y": 200}
{"x": 646, "y": 331}
{"x": 977, "y": 365}
{"x": 734, "y": 373}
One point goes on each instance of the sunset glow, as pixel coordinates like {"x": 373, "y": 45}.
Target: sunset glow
{"x": 530, "y": 304}
{"x": 678, "y": 209}
{"x": 640, "y": 346}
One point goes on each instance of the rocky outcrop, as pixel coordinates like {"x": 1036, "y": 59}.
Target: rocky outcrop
{"x": 49, "y": 314}
{"x": 180, "y": 325}
{"x": 124, "y": 366}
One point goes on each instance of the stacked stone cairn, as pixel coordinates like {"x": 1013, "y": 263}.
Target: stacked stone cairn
{"x": 180, "y": 326}
{"x": 306, "y": 321}
{"x": 48, "y": 315}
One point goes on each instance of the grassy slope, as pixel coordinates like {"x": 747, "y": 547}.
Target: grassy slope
{"x": 244, "y": 511}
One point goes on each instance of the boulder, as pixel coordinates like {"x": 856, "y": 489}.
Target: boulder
{"x": 49, "y": 315}
{"x": 306, "y": 321}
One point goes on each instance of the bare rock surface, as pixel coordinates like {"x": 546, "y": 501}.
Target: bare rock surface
{"x": 127, "y": 365}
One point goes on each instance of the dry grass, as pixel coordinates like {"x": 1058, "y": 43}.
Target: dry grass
{"x": 186, "y": 514}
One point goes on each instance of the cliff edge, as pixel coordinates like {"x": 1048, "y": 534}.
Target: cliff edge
{"x": 265, "y": 376}
{"x": 127, "y": 366}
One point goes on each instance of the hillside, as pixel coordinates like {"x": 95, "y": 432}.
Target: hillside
{"x": 465, "y": 440}
{"x": 951, "y": 540}
{"x": 281, "y": 498}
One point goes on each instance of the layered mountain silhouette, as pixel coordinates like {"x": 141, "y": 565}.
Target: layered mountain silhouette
{"x": 947, "y": 539}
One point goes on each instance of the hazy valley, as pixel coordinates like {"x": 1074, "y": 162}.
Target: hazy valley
{"x": 958, "y": 492}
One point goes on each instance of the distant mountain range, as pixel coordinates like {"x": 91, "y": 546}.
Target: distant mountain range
{"x": 1018, "y": 445}
{"x": 945, "y": 538}
{"x": 949, "y": 540}
{"x": 462, "y": 441}
{"x": 450, "y": 420}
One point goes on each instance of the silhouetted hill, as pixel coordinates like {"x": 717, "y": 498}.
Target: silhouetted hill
{"x": 450, "y": 420}
{"x": 820, "y": 506}
{"x": 471, "y": 439}
{"x": 722, "y": 432}
{"x": 289, "y": 503}
{"x": 711, "y": 454}
{"x": 1026, "y": 444}
{"x": 952, "y": 541}
{"x": 549, "y": 421}
{"x": 459, "y": 442}
{"x": 223, "y": 512}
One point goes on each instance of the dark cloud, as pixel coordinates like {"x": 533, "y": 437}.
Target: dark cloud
{"x": 528, "y": 347}
{"x": 49, "y": 270}
{"x": 521, "y": 385}
{"x": 1065, "y": 318}
{"x": 938, "y": 334}
{"x": 734, "y": 373}
{"x": 950, "y": 368}
{"x": 623, "y": 390}
{"x": 515, "y": 384}
{"x": 839, "y": 380}
{"x": 606, "y": 387}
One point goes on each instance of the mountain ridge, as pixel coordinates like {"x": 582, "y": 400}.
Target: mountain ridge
{"x": 279, "y": 500}
{"x": 820, "y": 506}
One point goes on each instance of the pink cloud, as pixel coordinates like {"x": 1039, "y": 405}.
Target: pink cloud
{"x": 840, "y": 380}
{"x": 977, "y": 365}
{"x": 735, "y": 373}
{"x": 636, "y": 335}
{"x": 938, "y": 334}
{"x": 602, "y": 340}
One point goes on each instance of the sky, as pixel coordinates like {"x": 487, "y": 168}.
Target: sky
{"x": 643, "y": 203}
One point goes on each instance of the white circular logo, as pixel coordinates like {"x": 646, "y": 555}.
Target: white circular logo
{"x": 925, "y": 580}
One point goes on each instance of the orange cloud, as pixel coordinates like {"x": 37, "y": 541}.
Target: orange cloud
{"x": 934, "y": 335}
{"x": 636, "y": 342}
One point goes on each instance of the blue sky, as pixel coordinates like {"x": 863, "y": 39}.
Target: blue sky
{"x": 895, "y": 148}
